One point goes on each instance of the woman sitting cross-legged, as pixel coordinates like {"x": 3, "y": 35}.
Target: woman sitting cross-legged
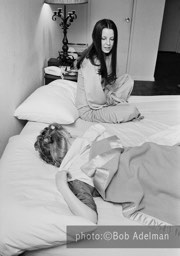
{"x": 102, "y": 93}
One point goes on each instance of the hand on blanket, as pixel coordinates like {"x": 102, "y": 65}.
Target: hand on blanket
{"x": 77, "y": 207}
{"x": 140, "y": 117}
{"x": 112, "y": 99}
{"x": 62, "y": 179}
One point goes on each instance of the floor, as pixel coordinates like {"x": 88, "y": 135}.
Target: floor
{"x": 167, "y": 77}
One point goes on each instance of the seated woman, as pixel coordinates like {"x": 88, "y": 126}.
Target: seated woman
{"x": 102, "y": 94}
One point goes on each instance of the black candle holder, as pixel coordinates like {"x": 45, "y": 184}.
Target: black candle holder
{"x": 66, "y": 20}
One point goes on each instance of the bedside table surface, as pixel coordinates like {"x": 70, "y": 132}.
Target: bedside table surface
{"x": 49, "y": 78}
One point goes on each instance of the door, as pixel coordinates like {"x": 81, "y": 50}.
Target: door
{"x": 170, "y": 33}
{"x": 120, "y": 11}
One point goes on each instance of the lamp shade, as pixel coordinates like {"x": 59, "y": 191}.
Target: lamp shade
{"x": 66, "y": 1}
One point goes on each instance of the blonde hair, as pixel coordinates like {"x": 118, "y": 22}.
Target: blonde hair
{"x": 52, "y": 141}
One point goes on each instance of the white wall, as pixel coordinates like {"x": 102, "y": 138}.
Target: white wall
{"x": 146, "y": 30}
{"x": 27, "y": 41}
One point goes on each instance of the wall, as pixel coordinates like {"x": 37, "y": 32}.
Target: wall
{"x": 170, "y": 35}
{"x": 145, "y": 38}
{"x": 77, "y": 32}
{"x": 26, "y": 43}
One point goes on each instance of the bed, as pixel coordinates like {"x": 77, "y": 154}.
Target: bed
{"x": 33, "y": 214}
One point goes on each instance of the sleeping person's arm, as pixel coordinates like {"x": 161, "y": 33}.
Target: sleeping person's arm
{"x": 77, "y": 207}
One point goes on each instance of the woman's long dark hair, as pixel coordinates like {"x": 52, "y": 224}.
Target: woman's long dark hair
{"x": 94, "y": 51}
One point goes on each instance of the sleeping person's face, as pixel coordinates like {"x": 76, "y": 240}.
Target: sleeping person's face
{"x": 60, "y": 147}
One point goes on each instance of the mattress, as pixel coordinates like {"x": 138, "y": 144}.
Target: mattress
{"x": 161, "y": 123}
{"x": 160, "y": 113}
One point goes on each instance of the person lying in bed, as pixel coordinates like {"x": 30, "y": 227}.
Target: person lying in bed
{"x": 52, "y": 145}
{"x": 102, "y": 93}
{"x": 144, "y": 178}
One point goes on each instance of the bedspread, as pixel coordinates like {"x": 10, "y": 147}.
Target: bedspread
{"x": 144, "y": 179}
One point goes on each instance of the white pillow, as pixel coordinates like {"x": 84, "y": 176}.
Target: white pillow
{"x": 33, "y": 214}
{"x": 54, "y": 102}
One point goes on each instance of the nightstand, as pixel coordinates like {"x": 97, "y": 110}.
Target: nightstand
{"x": 49, "y": 78}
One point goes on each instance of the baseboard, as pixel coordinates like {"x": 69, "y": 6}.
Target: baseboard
{"x": 144, "y": 78}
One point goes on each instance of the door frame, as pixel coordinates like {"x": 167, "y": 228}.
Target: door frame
{"x": 134, "y": 4}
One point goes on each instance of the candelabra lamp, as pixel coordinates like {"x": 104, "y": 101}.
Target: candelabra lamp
{"x": 65, "y": 21}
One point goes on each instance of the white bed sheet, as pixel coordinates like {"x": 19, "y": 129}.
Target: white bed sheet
{"x": 164, "y": 109}
{"x": 160, "y": 113}
{"x": 131, "y": 133}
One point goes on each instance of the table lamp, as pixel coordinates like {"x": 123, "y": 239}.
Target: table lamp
{"x": 66, "y": 20}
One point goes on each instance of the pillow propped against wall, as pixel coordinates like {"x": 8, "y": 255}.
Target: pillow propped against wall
{"x": 54, "y": 102}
